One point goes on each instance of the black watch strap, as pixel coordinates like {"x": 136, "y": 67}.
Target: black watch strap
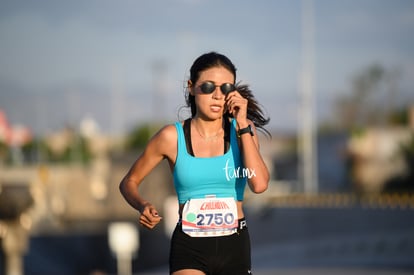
{"x": 246, "y": 130}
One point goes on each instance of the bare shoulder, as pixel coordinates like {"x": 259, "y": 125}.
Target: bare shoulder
{"x": 167, "y": 134}
{"x": 165, "y": 141}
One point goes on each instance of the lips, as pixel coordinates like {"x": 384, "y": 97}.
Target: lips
{"x": 215, "y": 108}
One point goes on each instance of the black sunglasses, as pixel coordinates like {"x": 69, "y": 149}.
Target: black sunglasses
{"x": 209, "y": 87}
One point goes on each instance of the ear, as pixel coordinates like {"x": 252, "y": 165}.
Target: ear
{"x": 190, "y": 87}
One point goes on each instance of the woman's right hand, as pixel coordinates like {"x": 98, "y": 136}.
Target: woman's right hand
{"x": 149, "y": 217}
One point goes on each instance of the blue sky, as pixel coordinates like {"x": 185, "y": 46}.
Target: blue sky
{"x": 54, "y": 54}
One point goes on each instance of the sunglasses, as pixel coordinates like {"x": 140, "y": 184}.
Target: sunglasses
{"x": 209, "y": 87}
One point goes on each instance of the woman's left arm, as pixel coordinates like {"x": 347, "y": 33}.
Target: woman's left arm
{"x": 249, "y": 144}
{"x": 252, "y": 159}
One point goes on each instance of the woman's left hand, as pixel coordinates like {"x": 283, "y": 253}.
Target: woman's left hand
{"x": 237, "y": 107}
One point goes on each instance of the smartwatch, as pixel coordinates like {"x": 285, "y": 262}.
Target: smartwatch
{"x": 246, "y": 130}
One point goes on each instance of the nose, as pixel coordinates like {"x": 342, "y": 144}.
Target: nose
{"x": 217, "y": 94}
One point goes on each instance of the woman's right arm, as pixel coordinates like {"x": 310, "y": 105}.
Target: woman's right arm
{"x": 162, "y": 145}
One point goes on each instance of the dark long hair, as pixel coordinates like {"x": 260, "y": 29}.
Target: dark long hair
{"x": 214, "y": 59}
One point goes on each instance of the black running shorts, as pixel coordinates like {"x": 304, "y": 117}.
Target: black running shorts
{"x": 212, "y": 255}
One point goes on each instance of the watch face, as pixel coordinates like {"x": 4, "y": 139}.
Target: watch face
{"x": 248, "y": 129}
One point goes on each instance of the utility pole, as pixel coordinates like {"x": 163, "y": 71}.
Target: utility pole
{"x": 308, "y": 150}
{"x": 159, "y": 102}
{"x": 117, "y": 103}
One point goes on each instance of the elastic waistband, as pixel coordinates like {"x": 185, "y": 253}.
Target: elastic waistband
{"x": 242, "y": 224}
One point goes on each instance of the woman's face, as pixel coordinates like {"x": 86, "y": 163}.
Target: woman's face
{"x": 211, "y": 106}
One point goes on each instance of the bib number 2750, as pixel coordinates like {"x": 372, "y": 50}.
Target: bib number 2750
{"x": 207, "y": 217}
{"x": 216, "y": 218}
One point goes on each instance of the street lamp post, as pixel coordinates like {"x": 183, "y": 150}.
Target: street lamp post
{"x": 309, "y": 174}
{"x": 124, "y": 243}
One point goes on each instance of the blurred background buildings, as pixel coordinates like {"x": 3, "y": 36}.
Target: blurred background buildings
{"x": 83, "y": 85}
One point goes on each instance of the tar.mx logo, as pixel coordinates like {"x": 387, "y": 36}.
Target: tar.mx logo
{"x": 238, "y": 172}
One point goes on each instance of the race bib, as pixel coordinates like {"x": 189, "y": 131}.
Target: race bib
{"x": 210, "y": 217}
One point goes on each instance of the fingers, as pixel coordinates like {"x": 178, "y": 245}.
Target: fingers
{"x": 149, "y": 223}
{"x": 149, "y": 217}
{"x": 236, "y": 105}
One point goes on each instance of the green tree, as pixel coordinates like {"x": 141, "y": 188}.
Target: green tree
{"x": 139, "y": 136}
{"x": 371, "y": 99}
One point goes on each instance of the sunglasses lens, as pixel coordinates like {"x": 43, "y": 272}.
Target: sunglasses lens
{"x": 227, "y": 88}
{"x": 207, "y": 87}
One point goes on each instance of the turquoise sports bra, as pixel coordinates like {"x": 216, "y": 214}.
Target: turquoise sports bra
{"x": 221, "y": 176}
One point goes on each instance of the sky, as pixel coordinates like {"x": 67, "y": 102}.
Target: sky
{"x": 125, "y": 62}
